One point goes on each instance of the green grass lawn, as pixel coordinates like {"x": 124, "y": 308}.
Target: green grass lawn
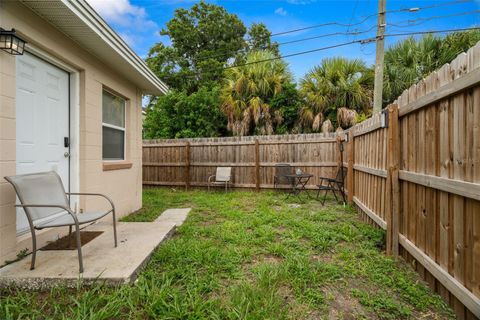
{"x": 250, "y": 255}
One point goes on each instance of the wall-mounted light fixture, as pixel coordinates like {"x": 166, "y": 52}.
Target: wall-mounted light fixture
{"x": 10, "y": 42}
{"x": 384, "y": 118}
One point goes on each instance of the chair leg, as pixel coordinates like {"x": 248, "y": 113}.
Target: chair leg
{"x": 34, "y": 249}
{"x": 226, "y": 186}
{"x": 334, "y": 192}
{"x": 70, "y": 235}
{"x": 343, "y": 195}
{"x": 114, "y": 227}
{"x": 324, "y": 197}
{"x": 79, "y": 248}
{"x": 335, "y": 195}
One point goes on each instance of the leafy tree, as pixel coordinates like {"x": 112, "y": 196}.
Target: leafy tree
{"x": 203, "y": 39}
{"x": 287, "y": 103}
{"x": 336, "y": 82}
{"x": 248, "y": 90}
{"x": 410, "y": 60}
{"x": 260, "y": 38}
{"x": 179, "y": 115}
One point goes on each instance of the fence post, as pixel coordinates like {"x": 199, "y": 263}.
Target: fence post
{"x": 187, "y": 165}
{"x": 350, "y": 155}
{"x": 257, "y": 164}
{"x": 338, "y": 140}
{"x": 393, "y": 189}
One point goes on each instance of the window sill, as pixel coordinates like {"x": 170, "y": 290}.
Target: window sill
{"x": 107, "y": 166}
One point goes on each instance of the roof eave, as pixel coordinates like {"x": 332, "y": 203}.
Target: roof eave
{"x": 88, "y": 16}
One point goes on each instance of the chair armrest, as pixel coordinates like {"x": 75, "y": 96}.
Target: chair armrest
{"x": 323, "y": 179}
{"x": 92, "y": 194}
{"x": 74, "y": 216}
{"x": 43, "y": 206}
{"x": 211, "y": 177}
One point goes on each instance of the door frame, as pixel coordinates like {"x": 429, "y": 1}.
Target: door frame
{"x": 74, "y": 115}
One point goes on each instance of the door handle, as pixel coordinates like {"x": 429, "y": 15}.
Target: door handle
{"x": 66, "y": 154}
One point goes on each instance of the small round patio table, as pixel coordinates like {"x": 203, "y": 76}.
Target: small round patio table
{"x": 299, "y": 182}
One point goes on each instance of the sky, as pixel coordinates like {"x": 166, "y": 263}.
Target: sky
{"x": 138, "y": 22}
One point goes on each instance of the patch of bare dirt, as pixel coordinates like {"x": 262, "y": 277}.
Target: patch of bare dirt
{"x": 324, "y": 258}
{"x": 286, "y": 293}
{"x": 277, "y": 208}
{"x": 70, "y": 242}
{"x": 344, "y": 306}
{"x": 211, "y": 221}
{"x": 267, "y": 258}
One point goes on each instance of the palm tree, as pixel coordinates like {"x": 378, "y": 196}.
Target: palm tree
{"x": 247, "y": 90}
{"x": 336, "y": 82}
{"x": 410, "y": 60}
{"x": 407, "y": 62}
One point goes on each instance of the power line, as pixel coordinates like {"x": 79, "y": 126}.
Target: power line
{"x": 397, "y": 24}
{"x": 353, "y": 15}
{"x": 412, "y": 33}
{"x": 360, "y": 41}
{"x": 354, "y": 33}
{"x": 415, "y": 9}
{"x": 296, "y": 54}
{"x": 363, "y": 41}
{"x": 294, "y": 41}
{"x": 413, "y": 22}
{"x": 374, "y": 26}
{"x": 328, "y": 35}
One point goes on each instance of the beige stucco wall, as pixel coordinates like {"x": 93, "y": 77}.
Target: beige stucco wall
{"x": 123, "y": 186}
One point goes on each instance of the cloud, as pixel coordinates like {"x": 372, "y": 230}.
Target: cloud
{"x": 170, "y": 2}
{"x": 129, "y": 39}
{"x": 280, "y": 11}
{"x": 301, "y": 2}
{"x": 123, "y": 13}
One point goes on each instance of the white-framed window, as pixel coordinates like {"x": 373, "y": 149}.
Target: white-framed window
{"x": 113, "y": 126}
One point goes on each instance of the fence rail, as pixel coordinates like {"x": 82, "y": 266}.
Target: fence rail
{"x": 414, "y": 173}
{"x": 189, "y": 162}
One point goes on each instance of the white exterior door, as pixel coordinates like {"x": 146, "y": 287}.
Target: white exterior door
{"x": 42, "y": 115}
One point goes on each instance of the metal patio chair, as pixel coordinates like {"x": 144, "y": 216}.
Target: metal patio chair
{"x": 223, "y": 177}
{"x": 333, "y": 185}
{"x": 46, "y": 205}
{"x": 282, "y": 170}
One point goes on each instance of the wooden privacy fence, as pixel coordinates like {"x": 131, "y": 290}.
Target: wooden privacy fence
{"x": 417, "y": 175}
{"x": 419, "y": 179}
{"x": 189, "y": 162}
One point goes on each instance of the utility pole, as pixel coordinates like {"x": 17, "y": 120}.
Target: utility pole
{"x": 380, "y": 53}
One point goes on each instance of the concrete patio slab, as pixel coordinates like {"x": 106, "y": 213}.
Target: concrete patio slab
{"x": 102, "y": 262}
